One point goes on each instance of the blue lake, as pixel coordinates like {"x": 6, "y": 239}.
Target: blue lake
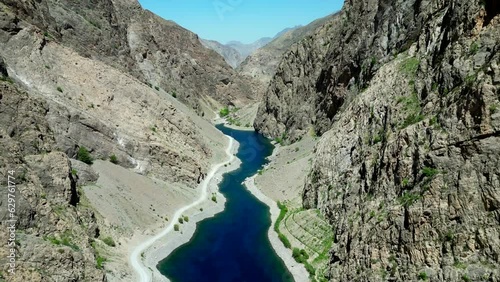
{"x": 233, "y": 245}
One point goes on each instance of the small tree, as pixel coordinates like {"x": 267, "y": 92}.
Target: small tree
{"x": 84, "y": 156}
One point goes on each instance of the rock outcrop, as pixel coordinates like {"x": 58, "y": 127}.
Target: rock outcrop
{"x": 230, "y": 55}
{"x": 53, "y": 233}
{"x": 405, "y": 95}
{"x": 261, "y": 65}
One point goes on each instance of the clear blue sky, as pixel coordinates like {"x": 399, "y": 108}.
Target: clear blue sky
{"x": 242, "y": 20}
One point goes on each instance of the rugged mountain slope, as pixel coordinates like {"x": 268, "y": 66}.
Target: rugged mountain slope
{"x": 122, "y": 34}
{"x": 235, "y": 52}
{"x": 230, "y": 55}
{"x": 62, "y": 90}
{"x": 53, "y": 233}
{"x": 261, "y": 64}
{"x": 405, "y": 95}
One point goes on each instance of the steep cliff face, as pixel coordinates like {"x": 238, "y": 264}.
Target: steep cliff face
{"x": 230, "y": 55}
{"x": 53, "y": 233}
{"x": 261, "y": 65}
{"x": 123, "y": 35}
{"x": 406, "y": 98}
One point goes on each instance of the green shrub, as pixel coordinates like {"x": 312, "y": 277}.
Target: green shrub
{"x": 422, "y": 276}
{"x": 83, "y": 155}
{"x": 449, "y": 236}
{"x": 113, "y": 159}
{"x": 310, "y": 269}
{"x": 59, "y": 89}
{"x": 186, "y": 218}
{"x": 466, "y": 278}
{"x": 176, "y": 227}
{"x": 109, "y": 241}
{"x": 100, "y": 262}
{"x": 410, "y": 66}
{"x": 181, "y": 220}
{"x": 157, "y": 88}
{"x": 405, "y": 182}
{"x": 74, "y": 172}
{"x": 214, "y": 199}
{"x": 474, "y": 48}
{"x": 174, "y": 94}
{"x": 284, "y": 240}
{"x": 429, "y": 171}
{"x": 224, "y": 112}
{"x": 408, "y": 199}
{"x": 493, "y": 109}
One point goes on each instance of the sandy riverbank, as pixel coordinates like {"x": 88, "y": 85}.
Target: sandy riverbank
{"x": 150, "y": 250}
{"x": 298, "y": 270}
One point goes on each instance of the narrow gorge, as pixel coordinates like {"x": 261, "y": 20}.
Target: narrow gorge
{"x": 360, "y": 145}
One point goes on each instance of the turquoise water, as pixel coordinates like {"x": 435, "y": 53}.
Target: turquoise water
{"x": 233, "y": 245}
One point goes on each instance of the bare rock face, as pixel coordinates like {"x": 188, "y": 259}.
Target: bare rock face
{"x": 406, "y": 99}
{"x": 230, "y": 55}
{"x": 53, "y": 233}
{"x": 261, "y": 65}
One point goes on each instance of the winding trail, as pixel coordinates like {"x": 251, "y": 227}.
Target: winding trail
{"x": 143, "y": 273}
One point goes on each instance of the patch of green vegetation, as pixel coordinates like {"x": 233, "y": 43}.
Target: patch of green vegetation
{"x": 113, "y": 159}
{"x": 157, "y": 88}
{"x": 474, "y": 48}
{"x": 153, "y": 128}
{"x": 214, "y": 199}
{"x": 460, "y": 265}
{"x": 174, "y": 94}
{"x": 83, "y": 155}
{"x": 405, "y": 182}
{"x": 74, "y": 172}
{"x": 301, "y": 256}
{"x": 224, "y": 112}
{"x": 176, "y": 227}
{"x": 99, "y": 260}
{"x": 65, "y": 240}
{"x": 449, "y": 236}
{"x": 6, "y": 79}
{"x": 411, "y": 106}
{"x": 433, "y": 121}
{"x": 423, "y": 276}
{"x": 281, "y": 216}
{"x": 280, "y": 140}
{"x": 466, "y": 278}
{"x": 181, "y": 220}
{"x": 493, "y": 109}
{"x": 186, "y": 218}
{"x": 284, "y": 240}
{"x": 429, "y": 172}
{"x": 408, "y": 199}
{"x": 470, "y": 79}
{"x": 410, "y": 66}
{"x": 109, "y": 241}
{"x": 59, "y": 89}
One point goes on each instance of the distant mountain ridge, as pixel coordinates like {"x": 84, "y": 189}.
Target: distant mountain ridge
{"x": 261, "y": 64}
{"x": 235, "y": 52}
